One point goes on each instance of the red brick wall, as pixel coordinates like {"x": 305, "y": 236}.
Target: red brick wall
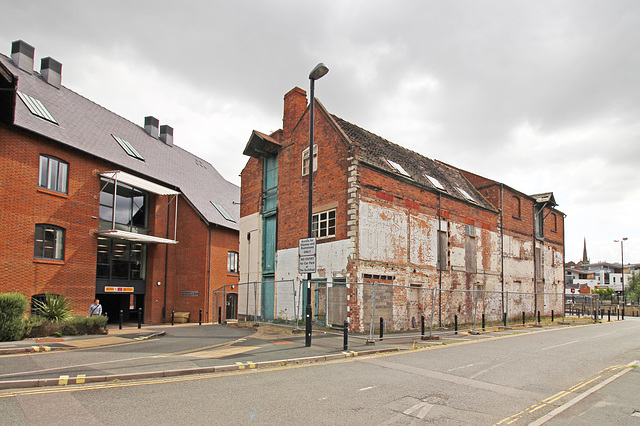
{"x": 251, "y": 184}
{"x": 24, "y": 205}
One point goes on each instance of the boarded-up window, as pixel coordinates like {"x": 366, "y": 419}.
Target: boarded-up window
{"x": 470, "y": 257}
{"x": 443, "y": 251}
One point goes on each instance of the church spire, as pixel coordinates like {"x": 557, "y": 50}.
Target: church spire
{"x": 585, "y": 258}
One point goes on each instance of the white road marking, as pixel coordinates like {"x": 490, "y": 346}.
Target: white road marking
{"x": 561, "y": 344}
{"x": 366, "y": 389}
{"x": 422, "y": 409}
{"x": 582, "y": 396}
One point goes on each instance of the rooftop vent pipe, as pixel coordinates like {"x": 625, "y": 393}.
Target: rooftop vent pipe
{"x": 51, "y": 71}
{"x": 166, "y": 134}
{"x": 22, "y": 55}
{"x": 151, "y": 126}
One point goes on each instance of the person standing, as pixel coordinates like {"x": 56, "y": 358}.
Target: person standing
{"x": 95, "y": 308}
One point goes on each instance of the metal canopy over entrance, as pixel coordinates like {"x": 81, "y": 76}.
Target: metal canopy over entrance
{"x": 118, "y": 176}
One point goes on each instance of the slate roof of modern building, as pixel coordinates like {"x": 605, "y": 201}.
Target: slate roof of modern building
{"x": 379, "y": 152}
{"x": 90, "y": 128}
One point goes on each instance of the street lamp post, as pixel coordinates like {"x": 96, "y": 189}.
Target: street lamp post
{"x": 316, "y": 73}
{"x": 622, "y": 240}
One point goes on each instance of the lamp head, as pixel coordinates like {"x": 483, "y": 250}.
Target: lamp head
{"x": 318, "y": 71}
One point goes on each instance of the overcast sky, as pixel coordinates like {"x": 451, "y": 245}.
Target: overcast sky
{"x": 540, "y": 95}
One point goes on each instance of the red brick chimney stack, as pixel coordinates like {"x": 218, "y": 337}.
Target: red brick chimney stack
{"x": 295, "y": 103}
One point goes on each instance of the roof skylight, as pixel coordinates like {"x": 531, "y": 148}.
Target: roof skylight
{"x": 435, "y": 182}
{"x": 398, "y": 168}
{"x": 466, "y": 195}
{"x": 36, "y": 107}
{"x": 222, "y": 211}
{"x": 128, "y": 148}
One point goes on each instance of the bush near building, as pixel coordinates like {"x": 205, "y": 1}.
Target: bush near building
{"x": 12, "y": 309}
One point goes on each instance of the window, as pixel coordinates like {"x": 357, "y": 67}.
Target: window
{"x": 443, "y": 251}
{"x": 36, "y": 107}
{"x": 466, "y": 195}
{"x": 398, "y": 168}
{"x": 539, "y": 221}
{"x": 49, "y": 242}
{"x": 232, "y": 262}
{"x": 554, "y": 222}
{"x": 121, "y": 260}
{"x": 470, "y": 256}
{"x": 324, "y": 224}
{"x": 222, "y": 211}
{"x": 53, "y": 174}
{"x": 517, "y": 212}
{"x": 131, "y": 207}
{"x": 34, "y": 302}
{"x": 435, "y": 182}
{"x": 128, "y": 148}
{"x": 305, "y": 160}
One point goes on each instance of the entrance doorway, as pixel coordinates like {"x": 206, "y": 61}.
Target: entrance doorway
{"x": 128, "y": 303}
{"x": 232, "y": 306}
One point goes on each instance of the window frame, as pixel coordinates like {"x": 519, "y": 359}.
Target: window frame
{"x": 305, "y": 160}
{"x": 317, "y": 224}
{"x": 45, "y": 179}
{"x": 233, "y": 262}
{"x": 58, "y": 245}
{"x": 517, "y": 207}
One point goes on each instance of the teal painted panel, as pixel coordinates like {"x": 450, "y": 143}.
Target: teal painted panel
{"x": 267, "y": 298}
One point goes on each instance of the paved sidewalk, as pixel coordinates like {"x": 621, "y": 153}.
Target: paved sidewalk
{"x": 264, "y": 346}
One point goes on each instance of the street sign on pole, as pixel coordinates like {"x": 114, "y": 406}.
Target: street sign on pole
{"x": 307, "y": 256}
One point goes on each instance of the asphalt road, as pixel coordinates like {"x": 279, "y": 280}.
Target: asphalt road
{"x": 576, "y": 375}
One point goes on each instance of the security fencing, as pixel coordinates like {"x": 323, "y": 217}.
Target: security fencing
{"x": 377, "y": 310}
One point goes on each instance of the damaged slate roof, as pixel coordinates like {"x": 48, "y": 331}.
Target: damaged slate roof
{"x": 91, "y": 128}
{"x": 382, "y": 154}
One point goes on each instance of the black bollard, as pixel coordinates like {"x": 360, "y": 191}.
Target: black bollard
{"x": 552, "y": 315}
{"x": 381, "y": 328}
{"x": 483, "y": 322}
{"x": 345, "y": 343}
{"x": 219, "y": 314}
{"x": 173, "y": 314}
{"x": 200, "y": 317}
{"x": 504, "y": 319}
{"x": 623, "y": 313}
{"x": 422, "y": 325}
{"x": 538, "y": 317}
{"x": 455, "y": 318}
{"x": 120, "y": 320}
{"x": 523, "y": 319}
{"x": 139, "y": 317}
{"x": 609, "y": 315}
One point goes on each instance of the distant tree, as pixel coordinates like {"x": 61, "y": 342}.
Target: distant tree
{"x": 605, "y": 293}
{"x": 632, "y": 289}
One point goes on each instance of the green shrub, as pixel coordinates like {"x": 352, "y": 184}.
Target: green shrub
{"x": 79, "y": 325}
{"x": 12, "y": 309}
{"x": 37, "y": 326}
{"x": 55, "y": 308}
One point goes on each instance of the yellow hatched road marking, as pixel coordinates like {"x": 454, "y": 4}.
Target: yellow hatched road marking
{"x": 240, "y": 365}
{"x": 80, "y": 379}
{"x": 63, "y": 380}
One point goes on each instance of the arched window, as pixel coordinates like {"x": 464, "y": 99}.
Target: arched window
{"x": 517, "y": 213}
{"x": 49, "y": 242}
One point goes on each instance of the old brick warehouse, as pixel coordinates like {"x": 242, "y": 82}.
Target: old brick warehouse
{"x": 165, "y": 242}
{"x": 385, "y": 214}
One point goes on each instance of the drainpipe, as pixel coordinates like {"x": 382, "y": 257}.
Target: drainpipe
{"x": 502, "y": 242}
{"x": 208, "y": 296}
{"x": 166, "y": 265}
{"x": 439, "y": 259}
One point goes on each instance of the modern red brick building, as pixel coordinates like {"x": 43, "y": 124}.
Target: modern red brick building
{"x": 96, "y": 206}
{"x": 385, "y": 214}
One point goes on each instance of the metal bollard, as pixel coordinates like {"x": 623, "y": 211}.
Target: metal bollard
{"x": 552, "y": 315}
{"x": 523, "y": 319}
{"x": 220, "y": 315}
{"x": 200, "y": 317}
{"x": 623, "y": 313}
{"x": 381, "y": 328}
{"x": 538, "y": 317}
{"x": 609, "y": 315}
{"x": 455, "y": 317}
{"x": 345, "y": 343}
{"x": 120, "y": 320}
{"x": 483, "y": 323}
{"x": 139, "y": 317}
{"x": 422, "y": 325}
{"x": 173, "y": 314}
